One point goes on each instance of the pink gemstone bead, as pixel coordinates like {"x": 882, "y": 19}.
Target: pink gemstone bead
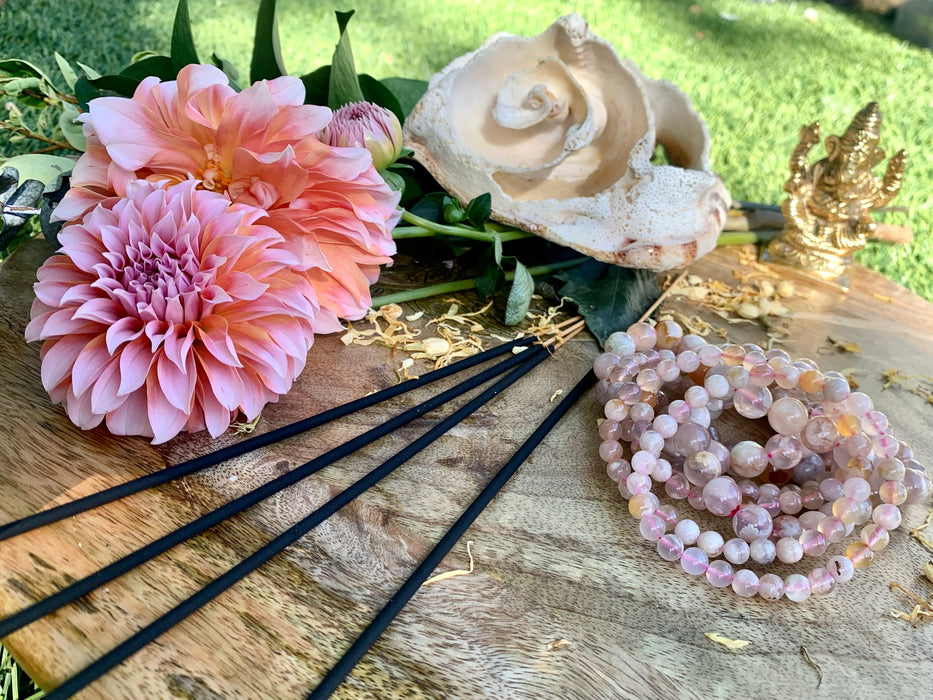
{"x": 732, "y": 354}
{"x": 668, "y": 515}
{"x": 738, "y": 377}
{"x": 618, "y": 470}
{"x": 688, "y": 361}
{"x": 620, "y": 343}
{"x": 648, "y": 380}
{"x": 875, "y": 536}
{"x": 833, "y": 529}
{"x": 813, "y": 543}
{"x": 616, "y": 410}
{"x": 696, "y": 396}
{"x": 919, "y": 486}
{"x": 711, "y": 542}
{"x": 652, "y": 442}
{"x": 884, "y": 446}
{"x": 790, "y": 501}
{"x": 789, "y": 550}
{"x": 677, "y": 486}
{"x": 719, "y": 573}
{"x": 786, "y": 526}
{"x": 644, "y": 336}
{"x": 670, "y": 547}
{"x": 831, "y": 489}
{"x": 887, "y": 516}
{"x": 821, "y": 581}
{"x": 638, "y": 483}
{"x": 642, "y": 504}
{"x": 752, "y": 401}
{"x": 701, "y": 467}
{"x": 694, "y": 561}
{"x": 786, "y": 377}
{"x": 736, "y": 551}
{"x": 679, "y": 410}
{"x": 664, "y": 425}
{"x": 762, "y": 550}
{"x": 893, "y": 492}
{"x": 751, "y": 522}
{"x": 771, "y": 587}
{"x": 841, "y": 569}
{"x": 761, "y": 375}
{"x": 709, "y": 355}
{"x": 667, "y": 370}
{"x": 745, "y": 583}
{"x": 788, "y": 416}
{"x": 662, "y": 471}
{"x": 797, "y": 588}
{"x": 604, "y": 363}
{"x": 717, "y": 385}
{"x": 811, "y": 519}
{"x": 609, "y": 429}
{"x": 610, "y": 451}
{"x": 857, "y": 489}
{"x": 819, "y": 434}
{"x": 749, "y": 459}
{"x": 891, "y": 469}
{"x": 644, "y": 462}
{"x": 722, "y": 496}
{"x": 688, "y": 531}
{"x": 652, "y": 527}
{"x": 784, "y": 451}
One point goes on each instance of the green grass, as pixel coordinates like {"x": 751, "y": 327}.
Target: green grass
{"x": 14, "y": 684}
{"x": 755, "y": 80}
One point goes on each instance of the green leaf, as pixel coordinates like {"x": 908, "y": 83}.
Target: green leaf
{"x": 162, "y": 67}
{"x": 67, "y": 71}
{"x": 233, "y": 75}
{"x": 183, "y": 51}
{"x": 395, "y": 181}
{"x": 377, "y": 93}
{"x": 491, "y": 278}
{"x": 407, "y": 92}
{"x": 88, "y": 71}
{"x": 317, "y": 85}
{"x": 18, "y": 68}
{"x": 266, "y": 63}
{"x": 609, "y": 297}
{"x": 344, "y": 83}
{"x": 86, "y": 90}
{"x": 523, "y": 286}
{"x": 478, "y": 211}
{"x": 42, "y": 167}
{"x": 73, "y": 131}
{"x": 453, "y": 212}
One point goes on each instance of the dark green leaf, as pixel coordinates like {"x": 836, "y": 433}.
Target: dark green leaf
{"x": 233, "y": 75}
{"x": 183, "y": 51}
{"x": 395, "y": 181}
{"x": 407, "y": 92}
{"x": 479, "y": 210}
{"x": 453, "y": 212}
{"x": 609, "y": 297}
{"x": 86, "y": 90}
{"x": 317, "y": 85}
{"x": 17, "y": 68}
{"x": 267, "y": 55}
{"x": 431, "y": 207}
{"x": 377, "y": 93}
{"x": 162, "y": 67}
{"x": 491, "y": 277}
{"x": 523, "y": 286}
{"x": 344, "y": 83}
{"x": 67, "y": 71}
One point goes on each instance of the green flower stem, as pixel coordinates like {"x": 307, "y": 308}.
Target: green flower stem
{"x": 419, "y": 225}
{"x": 461, "y": 285}
{"x": 744, "y": 237}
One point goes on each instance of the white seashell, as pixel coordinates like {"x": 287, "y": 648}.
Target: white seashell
{"x": 561, "y": 132}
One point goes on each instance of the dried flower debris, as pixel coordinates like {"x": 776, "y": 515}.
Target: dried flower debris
{"x": 731, "y": 644}
{"x": 921, "y": 612}
{"x": 918, "y": 384}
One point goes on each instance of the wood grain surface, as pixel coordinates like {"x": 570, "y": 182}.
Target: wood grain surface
{"x": 566, "y": 600}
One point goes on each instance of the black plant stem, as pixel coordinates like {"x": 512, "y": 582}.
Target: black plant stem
{"x": 195, "y": 527}
{"x": 152, "y": 631}
{"x": 358, "y": 649}
{"x": 211, "y": 459}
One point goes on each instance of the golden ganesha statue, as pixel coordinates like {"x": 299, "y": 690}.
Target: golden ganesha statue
{"x": 827, "y": 215}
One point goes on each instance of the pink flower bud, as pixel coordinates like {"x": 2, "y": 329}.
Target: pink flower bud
{"x": 368, "y": 125}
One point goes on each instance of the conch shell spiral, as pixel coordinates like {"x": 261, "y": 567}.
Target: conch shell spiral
{"x": 561, "y": 132}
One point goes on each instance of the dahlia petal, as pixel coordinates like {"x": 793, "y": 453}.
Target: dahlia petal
{"x": 80, "y": 412}
{"x": 105, "y": 394}
{"x": 223, "y": 381}
{"x": 89, "y": 364}
{"x": 99, "y": 310}
{"x": 123, "y": 331}
{"x": 216, "y": 416}
{"x": 212, "y": 332}
{"x": 166, "y": 420}
{"x": 58, "y": 358}
{"x": 176, "y": 385}
{"x": 136, "y": 359}
{"x": 131, "y": 417}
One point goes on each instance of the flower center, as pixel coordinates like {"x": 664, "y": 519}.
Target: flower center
{"x": 154, "y": 276}
{"x": 212, "y": 176}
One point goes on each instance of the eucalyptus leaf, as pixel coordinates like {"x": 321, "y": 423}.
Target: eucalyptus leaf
{"x": 344, "y": 83}
{"x": 266, "y": 63}
{"x": 523, "y": 286}
{"x": 609, "y": 297}
{"x": 183, "y": 50}
{"x": 407, "y": 92}
{"x": 73, "y": 131}
{"x": 67, "y": 71}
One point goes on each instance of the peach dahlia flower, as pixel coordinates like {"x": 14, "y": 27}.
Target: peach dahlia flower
{"x": 170, "y": 310}
{"x": 259, "y": 147}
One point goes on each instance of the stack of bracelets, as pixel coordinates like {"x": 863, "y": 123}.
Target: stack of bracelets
{"x": 831, "y": 469}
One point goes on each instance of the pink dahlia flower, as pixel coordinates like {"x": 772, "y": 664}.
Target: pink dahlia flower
{"x": 171, "y": 310}
{"x": 259, "y": 147}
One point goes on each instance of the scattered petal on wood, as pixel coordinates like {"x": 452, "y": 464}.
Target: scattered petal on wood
{"x": 882, "y": 297}
{"x": 915, "y": 533}
{"x": 558, "y": 644}
{"x": 555, "y": 395}
{"x": 844, "y": 346}
{"x": 731, "y": 644}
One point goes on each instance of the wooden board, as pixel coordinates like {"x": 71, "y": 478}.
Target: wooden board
{"x": 566, "y": 600}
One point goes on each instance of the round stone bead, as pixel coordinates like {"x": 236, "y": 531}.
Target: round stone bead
{"x": 761, "y": 374}
{"x": 841, "y": 569}
{"x": 835, "y": 389}
{"x": 762, "y": 550}
{"x": 858, "y": 403}
{"x": 749, "y": 459}
{"x": 669, "y": 334}
{"x": 664, "y": 425}
{"x": 688, "y": 439}
{"x": 752, "y": 401}
{"x": 688, "y": 531}
{"x": 670, "y": 547}
{"x": 788, "y": 416}
{"x": 641, "y": 411}
{"x": 651, "y": 442}
{"x": 638, "y": 483}
{"x": 887, "y": 516}
{"x": 790, "y": 501}
{"x": 615, "y": 410}
{"x": 677, "y": 487}
{"x": 884, "y": 446}
{"x": 891, "y": 469}
{"x": 859, "y": 554}
{"x": 789, "y": 550}
{"x": 604, "y": 363}
{"x": 618, "y": 470}
{"x": 709, "y": 355}
{"x": 893, "y": 492}
{"x": 919, "y": 486}
{"x": 738, "y": 377}
{"x": 831, "y": 489}
{"x": 751, "y": 522}
{"x": 644, "y": 336}
{"x": 811, "y": 381}
{"x": 833, "y": 529}
{"x": 679, "y": 410}
{"x": 716, "y": 385}
{"x": 821, "y": 581}
{"x": 736, "y": 551}
{"x": 811, "y": 519}
{"x": 786, "y": 526}
{"x": 813, "y": 543}
{"x": 668, "y": 515}
{"x": 797, "y": 588}
{"x": 711, "y": 542}
{"x": 667, "y": 370}
{"x": 732, "y": 354}
{"x": 722, "y": 496}
{"x": 610, "y": 451}
{"x": 648, "y": 380}
{"x": 819, "y": 434}
{"x": 652, "y": 527}
{"x": 701, "y": 467}
{"x": 688, "y": 361}
{"x": 609, "y": 430}
{"x": 784, "y": 451}
{"x": 662, "y": 471}
{"x": 771, "y": 587}
{"x": 768, "y": 498}
{"x": 694, "y": 561}
{"x": 857, "y": 489}
{"x": 745, "y": 583}
{"x": 620, "y": 343}
{"x": 696, "y": 396}
{"x": 786, "y": 377}
{"x": 875, "y": 536}
{"x": 642, "y": 504}
{"x": 719, "y": 573}
{"x": 643, "y": 462}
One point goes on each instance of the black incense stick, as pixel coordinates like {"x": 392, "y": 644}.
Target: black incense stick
{"x": 152, "y": 631}
{"x": 358, "y": 649}
{"x": 140, "y": 556}
{"x": 142, "y": 483}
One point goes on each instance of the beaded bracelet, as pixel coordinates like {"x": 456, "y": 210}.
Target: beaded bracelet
{"x": 832, "y": 464}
